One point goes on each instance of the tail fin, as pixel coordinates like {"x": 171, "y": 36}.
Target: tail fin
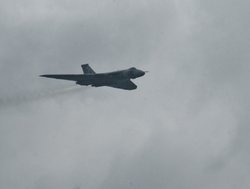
{"x": 87, "y": 69}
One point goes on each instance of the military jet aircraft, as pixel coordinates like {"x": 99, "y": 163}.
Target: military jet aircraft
{"x": 117, "y": 79}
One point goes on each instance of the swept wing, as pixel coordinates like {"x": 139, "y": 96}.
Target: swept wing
{"x": 125, "y": 84}
{"x": 70, "y": 77}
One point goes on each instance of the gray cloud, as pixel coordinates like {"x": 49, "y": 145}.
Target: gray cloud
{"x": 186, "y": 126}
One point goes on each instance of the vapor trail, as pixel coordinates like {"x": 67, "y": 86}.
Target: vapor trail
{"x": 33, "y": 96}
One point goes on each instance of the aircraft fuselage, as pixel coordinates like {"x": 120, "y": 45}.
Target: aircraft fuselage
{"x": 102, "y": 79}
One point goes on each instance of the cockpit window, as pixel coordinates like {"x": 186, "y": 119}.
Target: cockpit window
{"x": 132, "y": 72}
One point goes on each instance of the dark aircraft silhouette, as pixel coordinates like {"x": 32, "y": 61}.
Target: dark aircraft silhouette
{"x": 118, "y": 79}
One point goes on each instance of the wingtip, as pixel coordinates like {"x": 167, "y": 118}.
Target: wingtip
{"x": 43, "y": 75}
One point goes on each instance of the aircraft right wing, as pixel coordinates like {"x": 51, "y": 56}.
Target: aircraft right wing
{"x": 71, "y": 77}
{"x": 125, "y": 84}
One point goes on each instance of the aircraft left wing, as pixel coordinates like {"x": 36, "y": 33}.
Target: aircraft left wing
{"x": 71, "y": 77}
{"x": 125, "y": 84}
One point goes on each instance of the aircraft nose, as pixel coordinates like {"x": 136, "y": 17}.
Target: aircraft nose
{"x": 138, "y": 73}
{"x": 142, "y": 73}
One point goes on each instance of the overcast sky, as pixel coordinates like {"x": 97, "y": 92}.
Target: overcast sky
{"x": 187, "y": 126}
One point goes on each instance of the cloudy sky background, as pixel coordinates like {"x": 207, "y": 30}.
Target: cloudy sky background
{"x": 186, "y": 126}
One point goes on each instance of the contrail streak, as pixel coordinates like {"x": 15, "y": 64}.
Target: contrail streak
{"x": 33, "y": 96}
